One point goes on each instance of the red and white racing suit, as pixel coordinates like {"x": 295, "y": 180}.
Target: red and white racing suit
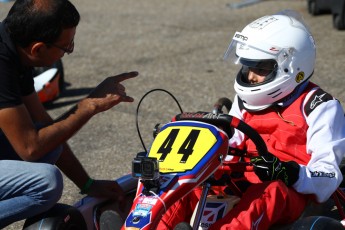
{"x": 309, "y": 131}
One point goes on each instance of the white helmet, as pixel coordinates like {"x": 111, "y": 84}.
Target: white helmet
{"x": 283, "y": 46}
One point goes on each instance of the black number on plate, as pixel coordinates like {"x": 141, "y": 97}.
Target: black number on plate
{"x": 186, "y": 148}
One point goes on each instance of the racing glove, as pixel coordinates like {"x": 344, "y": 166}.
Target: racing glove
{"x": 269, "y": 168}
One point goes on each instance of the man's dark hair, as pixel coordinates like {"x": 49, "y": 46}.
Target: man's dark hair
{"x": 40, "y": 20}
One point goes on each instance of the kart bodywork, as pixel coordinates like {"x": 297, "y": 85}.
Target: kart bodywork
{"x": 185, "y": 154}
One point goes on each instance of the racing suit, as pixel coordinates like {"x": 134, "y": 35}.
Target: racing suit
{"x": 309, "y": 128}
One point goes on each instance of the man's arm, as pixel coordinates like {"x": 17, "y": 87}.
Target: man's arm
{"x": 31, "y": 144}
{"x": 73, "y": 169}
{"x": 67, "y": 162}
{"x": 18, "y": 122}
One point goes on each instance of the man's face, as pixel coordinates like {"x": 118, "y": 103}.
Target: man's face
{"x": 55, "y": 51}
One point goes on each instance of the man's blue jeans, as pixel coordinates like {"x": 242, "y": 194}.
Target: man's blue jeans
{"x": 27, "y": 188}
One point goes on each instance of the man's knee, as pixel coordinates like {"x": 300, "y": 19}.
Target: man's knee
{"x": 51, "y": 184}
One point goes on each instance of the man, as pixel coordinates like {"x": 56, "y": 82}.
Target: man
{"x": 38, "y": 33}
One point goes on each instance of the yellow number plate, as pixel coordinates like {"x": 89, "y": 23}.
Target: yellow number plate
{"x": 180, "y": 148}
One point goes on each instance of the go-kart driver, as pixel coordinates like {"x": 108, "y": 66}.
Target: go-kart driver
{"x": 302, "y": 125}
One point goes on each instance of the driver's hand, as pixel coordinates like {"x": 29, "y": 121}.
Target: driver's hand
{"x": 269, "y": 168}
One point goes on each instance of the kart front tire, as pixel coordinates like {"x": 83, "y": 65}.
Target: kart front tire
{"x": 60, "y": 217}
{"x": 110, "y": 220}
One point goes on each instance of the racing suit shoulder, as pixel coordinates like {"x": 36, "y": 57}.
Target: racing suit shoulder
{"x": 315, "y": 98}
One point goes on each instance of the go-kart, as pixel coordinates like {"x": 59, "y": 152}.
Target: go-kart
{"x": 49, "y": 81}
{"x": 184, "y": 154}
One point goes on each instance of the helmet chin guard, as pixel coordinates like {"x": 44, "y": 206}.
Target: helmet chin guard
{"x": 282, "y": 38}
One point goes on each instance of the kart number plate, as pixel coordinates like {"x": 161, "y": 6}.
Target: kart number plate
{"x": 180, "y": 148}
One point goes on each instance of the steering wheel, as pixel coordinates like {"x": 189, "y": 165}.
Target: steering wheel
{"x": 227, "y": 123}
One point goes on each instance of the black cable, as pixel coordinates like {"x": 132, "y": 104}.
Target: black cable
{"x": 137, "y": 112}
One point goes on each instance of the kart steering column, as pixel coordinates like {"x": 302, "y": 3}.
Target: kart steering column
{"x": 206, "y": 187}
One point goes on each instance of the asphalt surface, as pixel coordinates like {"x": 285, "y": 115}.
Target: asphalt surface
{"x": 174, "y": 45}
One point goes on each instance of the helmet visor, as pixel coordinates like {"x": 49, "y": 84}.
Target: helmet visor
{"x": 262, "y": 69}
{"x": 255, "y": 57}
{"x": 255, "y": 50}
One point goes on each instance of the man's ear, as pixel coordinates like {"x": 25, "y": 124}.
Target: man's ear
{"x": 37, "y": 48}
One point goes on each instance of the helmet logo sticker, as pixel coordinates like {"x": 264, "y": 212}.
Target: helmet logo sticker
{"x": 274, "y": 49}
{"x": 262, "y": 22}
{"x": 243, "y": 47}
{"x": 299, "y": 77}
{"x": 240, "y": 36}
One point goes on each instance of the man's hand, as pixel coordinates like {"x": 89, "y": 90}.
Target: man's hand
{"x": 107, "y": 94}
{"x": 112, "y": 86}
{"x": 269, "y": 168}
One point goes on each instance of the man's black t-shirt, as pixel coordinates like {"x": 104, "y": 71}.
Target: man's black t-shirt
{"x": 15, "y": 80}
